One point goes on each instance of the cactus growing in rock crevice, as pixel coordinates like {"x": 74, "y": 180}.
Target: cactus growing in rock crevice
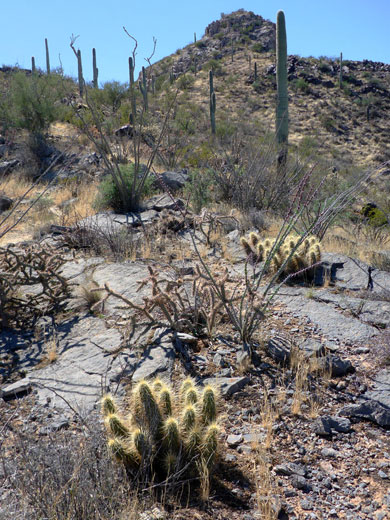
{"x": 282, "y": 91}
{"x": 288, "y": 257}
{"x": 164, "y": 433}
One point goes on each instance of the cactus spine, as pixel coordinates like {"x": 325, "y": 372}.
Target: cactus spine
{"x": 47, "y": 57}
{"x": 95, "y": 69}
{"x": 282, "y": 92}
{"x": 80, "y": 73}
{"x": 212, "y": 102}
{"x": 33, "y": 68}
{"x": 164, "y": 432}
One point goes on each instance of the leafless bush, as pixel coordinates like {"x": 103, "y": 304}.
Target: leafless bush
{"x": 67, "y": 476}
{"x": 36, "y": 266}
{"x": 107, "y": 240}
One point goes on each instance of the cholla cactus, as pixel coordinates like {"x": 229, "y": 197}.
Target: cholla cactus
{"x": 164, "y": 432}
{"x": 295, "y": 258}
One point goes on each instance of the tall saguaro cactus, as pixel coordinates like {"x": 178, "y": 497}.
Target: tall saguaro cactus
{"x": 33, "y": 68}
{"x": 341, "y": 70}
{"x": 95, "y": 69}
{"x": 80, "y": 73}
{"x": 132, "y": 91}
{"x": 282, "y": 92}
{"x": 144, "y": 89}
{"x": 212, "y": 102}
{"x": 47, "y": 57}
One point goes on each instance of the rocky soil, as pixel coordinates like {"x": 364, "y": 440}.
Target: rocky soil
{"x": 305, "y": 420}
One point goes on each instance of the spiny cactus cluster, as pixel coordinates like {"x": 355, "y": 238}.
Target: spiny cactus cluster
{"x": 164, "y": 433}
{"x": 298, "y": 258}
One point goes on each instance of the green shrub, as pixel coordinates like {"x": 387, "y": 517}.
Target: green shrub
{"x": 33, "y": 102}
{"x": 302, "y": 85}
{"x": 257, "y": 47}
{"x": 111, "y": 95}
{"x": 201, "y": 189}
{"x": 108, "y": 194}
{"x": 200, "y": 44}
{"x": 185, "y": 82}
{"x": 215, "y": 66}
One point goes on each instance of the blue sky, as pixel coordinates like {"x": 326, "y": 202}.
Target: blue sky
{"x": 358, "y": 28}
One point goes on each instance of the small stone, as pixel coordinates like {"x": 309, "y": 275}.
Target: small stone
{"x": 382, "y": 474}
{"x": 329, "y": 453}
{"x": 306, "y": 505}
{"x": 234, "y": 440}
{"x": 16, "y": 389}
{"x": 300, "y": 482}
{"x": 229, "y": 457}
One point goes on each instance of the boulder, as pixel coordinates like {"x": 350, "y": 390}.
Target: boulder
{"x": 5, "y": 203}
{"x": 174, "y": 181}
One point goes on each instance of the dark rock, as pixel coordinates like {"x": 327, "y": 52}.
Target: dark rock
{"x": 326, "y": 425}
{"x": 6, "y": 166}
{"x": 5, "y": 203}
{"x": 369, "y": 410}
{"x": 338, "y": 367}
{"x": 299, "y": 482}
{"x": 279, "y": 348}
{"x": 227, "y": 385}
{"x": 290, "y": 468}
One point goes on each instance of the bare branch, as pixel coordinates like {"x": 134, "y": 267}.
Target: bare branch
{"x": 135, "y": 45}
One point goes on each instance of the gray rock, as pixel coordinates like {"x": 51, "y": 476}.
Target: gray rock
{"x": 381, "y": 388}
{"x": 383, "y": 475}
{"x": 329, "y": 453}
{"x": 5, "y": 203}
{"x": 122, "y": 278}
{"x": 160, "y": 202}
{"x": 227, "y": 385}
{"x": 174, "y": 181}
{"x": 369, "y": 410}
{"x": 234, "y": 440}
{"x": 157, "y": 359}
{"x": 279, "y": 348}
{"x": 299, "y": 482}
{"x": 14, "y": 390}
{"x": 326, "y": 425}
{"x": 6, "y": 166}
{"x": 312, "y": 348}
{"x": 338, "y": 367}
{"x": 291, "y": 468}
{"x": 74, "y": 381}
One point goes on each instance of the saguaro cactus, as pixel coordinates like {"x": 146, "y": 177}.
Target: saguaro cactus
{"x": 33, "y": 68}
{"x": 212, "y": 102}
{"x": 282, "y": 92}
{"x": 255, "y": 71}
{"x": 341, "y": 70}
{"x": 95, "y": 69}
{"x": 80, "y": 73}
{"x": 144, "y": 89}
{"x": 132, "y": 91}
{"x": 47, "y": 57}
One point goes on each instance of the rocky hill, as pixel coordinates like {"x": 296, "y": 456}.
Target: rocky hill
{"x": 347, "y": 125}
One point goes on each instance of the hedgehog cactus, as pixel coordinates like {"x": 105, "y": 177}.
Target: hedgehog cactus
{"x": 163, "y": 431}
{"x": 290, "y": 256}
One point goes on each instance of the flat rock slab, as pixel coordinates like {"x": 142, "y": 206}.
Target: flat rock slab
{"x": 122, "y": 278}
{"x": 227, "y": 385}
{"x": 156, "y": 360}
{"x": 84, "y": 363}
{"x": 381, "y": 389}
{"x": 328, "y": 321}
{"x": 354, "y": 274}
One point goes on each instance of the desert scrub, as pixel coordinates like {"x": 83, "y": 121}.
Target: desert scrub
{"x": 164, "y": 435}
{"x": 288, "y": 257}
{"x": 108, "y": 193}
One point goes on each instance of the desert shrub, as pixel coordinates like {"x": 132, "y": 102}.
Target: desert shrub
{"x": 324, "y": 67}
{"x": 185, "y": 82}
{"x": 215, "y": 66}
{"x": 201, "y": 189}
{"x": 301, "y": 85}
{"x": 77, "y": 478}
{"x": 108, "y": 192}
{"x": 111, "y": 95}
{"x": 375, "y": 216}
{"x": 257, "y": 47}
{"x": 328, "y": 123}
{"x": 200, "y": 44}
{"x": 33, "y": 101}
